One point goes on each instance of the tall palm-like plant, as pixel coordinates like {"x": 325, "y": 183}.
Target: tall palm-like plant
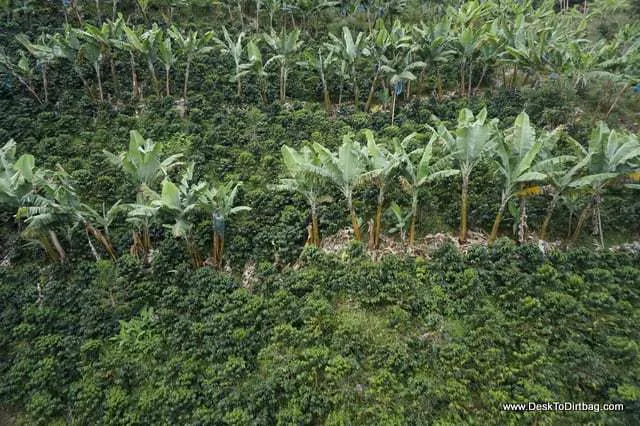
{"x": 284, "y": 46}
{"x": 235, "y": 49}
{"x": 259, "y": 67}
{"x": 611, "y": 154}
{"x": 21, "y": 71}
{"x": 382, "y": 164}
{"x": 349, "y": 50}
{"x": 300, "y": 178}
{"x": 168, "y": 58}
{"x": 16, "y": 175}
{"x": 144, "y": 166}
{"x": 191, "y": 46}
{"x": 560, "y": 180}
{"x": 517, "y": 152}
{"x": 91, "y": 50}
{"x": 180, "y": 200}
{"x": 416, "y": 175}
{"x": 472, "y": 138}
{"x": 320, "y": 61}
{"x": 346, "y": 170}
{"x": 44, "y": 53}
{"x": 219, "y": 201}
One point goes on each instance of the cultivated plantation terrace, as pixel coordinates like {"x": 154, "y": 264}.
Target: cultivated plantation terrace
{"x": 313, "y": 212}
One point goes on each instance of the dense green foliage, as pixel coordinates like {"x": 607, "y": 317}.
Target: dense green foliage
{"x": 337, "y": 340}
{"x": 163, "y": 165}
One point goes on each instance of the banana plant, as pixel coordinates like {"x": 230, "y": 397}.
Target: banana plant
{"x": 402, "y": 218}
{"x": 397, "y": 81}
{"x": 345, "y": 169}
{"x": 53, "y": 202}
{"x": 300, "y": 178}
{"x": 21, "y": 71}
{"x": 284, "y": 47}
{"x": 191, "y": 46}
{"x": 219, "y": 201}
{"x": 151, "y": 40}
{"x": 517, "y": 150}
{"x": 259, "y": 68}
{"x": 380, "y": 46}
{"x": 235, "y": 49}
{"x": 16, "y": 175}
{"x": 382, "y": 164}
{"x": 415, "y": 175}
{"x": 321, "y": 62}
{"x": 473, "y": 137}
{"x": 433, "y": 46}
{"x": 349, "y": 50}
{"x": 611, "y": 155}
{"x": 560, "y": 178}
{"x": 91, "y": 50}
{"x": 168, "y": 58}
{"x": 43, "y": 52}
{"x": 144, "y": 166}
{"x": 180, "y": 200}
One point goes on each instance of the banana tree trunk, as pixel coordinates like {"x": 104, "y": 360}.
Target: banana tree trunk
{"x": 393, "y": 106}
{"x": 93, "y": 249}
{"x": 414, "y": 216}
{"x": 325, "y": 92}
{"x": 114, "y": 76}
{"x": 377, "y": 224}
{"x": 583, "y": 217}
{"x": 356, "y": 92}
{"x": 56, "y": 243}
{"x": 315, "y": 228}
{"x": 372, "y": 91}
{"x": 547, "y": 218}
{"x": 167, "y": 71}
{"x": 496, "y": 222}
{"x": 154, "y": 77}
{"x": 186, "y": 83}
{"x": 597, "y": 203}
{"x": 522, "y": 223}
{"x": 96, "y": 66}
{"x": 134, "y": 78}
{"x": 354, "y": 220}
{"x": 464, "y": 209}
{"x": 45, "y": 83}
{"x": 238, "y": 87}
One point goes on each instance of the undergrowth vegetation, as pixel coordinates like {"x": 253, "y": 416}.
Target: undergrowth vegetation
{"x": 235, "y": 212}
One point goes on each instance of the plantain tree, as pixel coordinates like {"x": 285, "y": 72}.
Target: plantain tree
{"x": 301, "y": 178}
{"x": 284, "y": 46}
{"x": 349, "y": 50}
{"x": 346, "y": 169}
{"x": 321, "y": 62}
{"x": 516, "y": 153}
{"x": 611, "y": 155}
{"x": 16, "y": 175}
{"x": 191, "y": 46}
{"x": 144, "y": 166}
{"x": 467, "y": 145}
{"x": 43, "y": 50}
{"x": 168, "y": 58}
{"x": 382, "y": 164}
{"x": 234, "y": 48}
{"x": 180, "y": 201}
{"x": 417, "y": 174}
{"x": 219, "y": 201}
{"x": 559, "y": 178}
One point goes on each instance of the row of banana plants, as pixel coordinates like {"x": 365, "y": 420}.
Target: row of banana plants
{"x": 527, "y": 160}
{"x": 49, "y": 205}
{"x": 490, "y": 45}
